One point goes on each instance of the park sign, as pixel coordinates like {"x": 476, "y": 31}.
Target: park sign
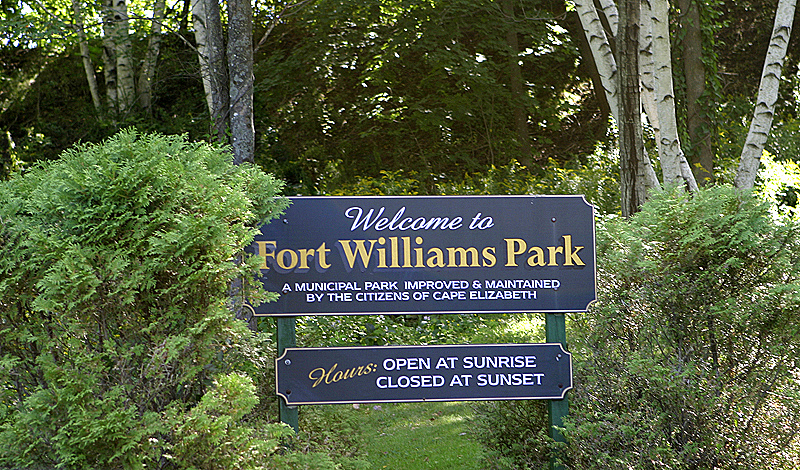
{"x": 421, "y": 254}
{"x": 383, "y": 374}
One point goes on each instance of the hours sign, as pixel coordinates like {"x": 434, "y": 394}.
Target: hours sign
{"x": 308, "y": 376}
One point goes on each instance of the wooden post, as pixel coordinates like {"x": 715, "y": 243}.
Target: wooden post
{"x": 556, "y": 332}
{"x": 287, "y": 339}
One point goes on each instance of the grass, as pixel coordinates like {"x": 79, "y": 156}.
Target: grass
{"x": 418, "y": 436}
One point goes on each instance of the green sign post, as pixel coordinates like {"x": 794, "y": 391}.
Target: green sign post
{"x": 556, "y": 332}
{"x": 287, "y": 338}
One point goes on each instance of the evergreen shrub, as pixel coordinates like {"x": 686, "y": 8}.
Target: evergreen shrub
{"x": 118, "y": 348}
{"x": 689, "y": 358}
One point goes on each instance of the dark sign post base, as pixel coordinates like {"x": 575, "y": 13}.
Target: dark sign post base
{"x": 556, "y": 332}
{"x": 287, "y": 339}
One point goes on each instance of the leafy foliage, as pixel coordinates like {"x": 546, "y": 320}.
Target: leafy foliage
{"x": 513, "y": 433}
{"x": 596, "y": 179}
{"x": 688, "y": 359}
{"x": 114, "y": 290}
{"x": 211, "y": 436}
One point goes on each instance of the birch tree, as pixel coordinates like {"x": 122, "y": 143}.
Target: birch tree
{"x": 120, "y": 86}
{"x": 88, "y": 65}
{"x": 147, "y": 72}
{"x": 122, "y": 90}
{"x": 657, "y": 83}
{"x": 208, "y": 34}
{"x": 767, "y": 96}
{"x": 637, "y": 173}
{"x": 674, "y": 166}
{"x": 227, "y": 73}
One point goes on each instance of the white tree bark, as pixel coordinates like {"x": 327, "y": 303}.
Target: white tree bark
{"x": 601, "y": 51}
{"x": 647, "y": 68}
{"x": 767, "y": 96}
{"x": 126, "y": 89}
{"x": 643, "y": 170}
{"x": 88, "y": 66}
{"x": 611, "y": 13}
{"x": 213, "y": 67}
{"x": 119, "y": 70}
{"x": 147, "y": 73}
{"x": 199, "y": 20}
{"x": 110, "y": 57}
{"x": 675, "y": 168}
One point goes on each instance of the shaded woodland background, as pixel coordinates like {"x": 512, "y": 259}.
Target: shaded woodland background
{"x": 348, "y": 89}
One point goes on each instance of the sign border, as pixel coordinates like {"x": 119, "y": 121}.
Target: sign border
{"x": 422, "y": 400}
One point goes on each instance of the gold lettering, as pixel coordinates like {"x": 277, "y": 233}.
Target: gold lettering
{"x": 264, "y": 254}
{"x": 489, "y": 259}
{"x": 418, "y": 253}
{"x": 281, "y": 259}
{"x": 514, "y": 247}
{"x": 537, "y": 258}
{"x": 381, "y": 253}
{"x": 360, "y": 252}
{"x": 406, "y": 251}
{"x": 305, "y": 253}
{"x": 317, "y": 375}
{"x": 464, "y": 253}
{"x": 322, "y": 252}
{"x": 436, "y": 258}
{"x": 553, "y": 251}
{"x": 395, "y": 252}
{"x": 571, "y": 258}
{"x": 320, "y": 375}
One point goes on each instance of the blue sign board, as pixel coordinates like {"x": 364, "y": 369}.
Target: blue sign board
{"x": 419, "y": 254}
{"x": 308, "y": 376}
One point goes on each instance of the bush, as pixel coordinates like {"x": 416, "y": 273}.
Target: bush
{"x": 211, "y": 435}
{"x": 689, "y": 358}
{"x": 513, "y": 434}
{"x": 115, "y": 269}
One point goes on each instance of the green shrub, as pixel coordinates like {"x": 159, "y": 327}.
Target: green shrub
{"x": 115, "y": 271}
{"x": 513, "y": 434}
{"x": 211, "y": 436}
{"x": 597, "y": 179}
{"x": 688, "y": 360}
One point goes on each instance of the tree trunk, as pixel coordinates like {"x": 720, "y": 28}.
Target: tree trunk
{"x": 611, "y": 15}
{"x": 647, "y": 68}
{"x": 517, "y": 88}
{"x": 88, "y": 66}
{"x": 637, "y": 174}
{"x": 213, "y": 66}
{"x": 675, "y": 167}
{"x": 601, "y": 52}
{"x": 697, "y": 122}
{"x": 110, "y": 57}
{"x": 573, "y": 25}
{"x": 632, "y": 158}
{"x": 146, "y": 74}
{"x": 767, "y": 96}
{"x": 240, "y": 67}
{"x": 126, "y": 89}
